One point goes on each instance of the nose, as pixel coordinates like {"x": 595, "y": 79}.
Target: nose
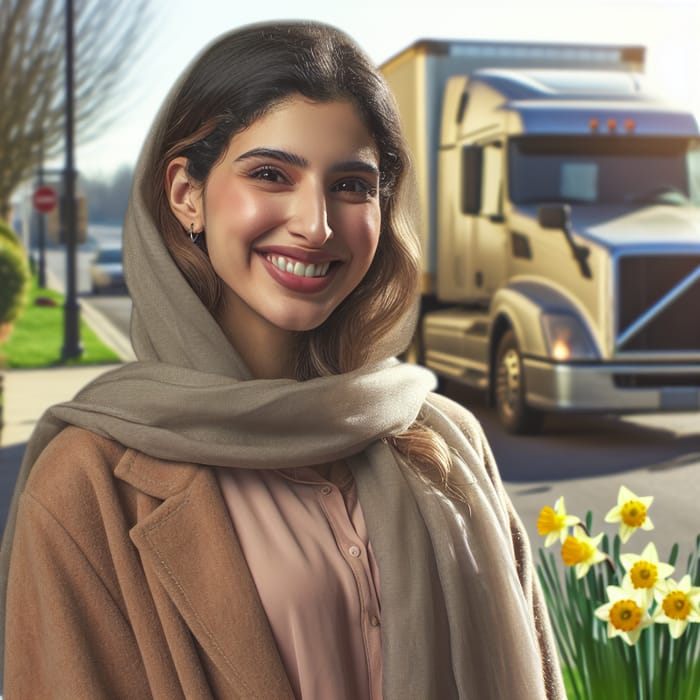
{"x": 309, "y": 216}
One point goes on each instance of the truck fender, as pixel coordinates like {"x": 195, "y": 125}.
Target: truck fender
{"x": 519, "y": 306}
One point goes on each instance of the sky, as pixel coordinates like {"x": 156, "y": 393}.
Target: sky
{"x": 179, "y": 29}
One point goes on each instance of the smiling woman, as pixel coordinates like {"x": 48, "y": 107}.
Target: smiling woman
{"x": 268, "y": 504}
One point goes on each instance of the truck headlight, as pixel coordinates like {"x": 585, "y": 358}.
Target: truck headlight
{"x": 566, "y": 338}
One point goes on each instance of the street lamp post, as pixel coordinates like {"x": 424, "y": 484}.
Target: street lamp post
{"x": 72, "y": 346}
{"x": 41, "y": 223}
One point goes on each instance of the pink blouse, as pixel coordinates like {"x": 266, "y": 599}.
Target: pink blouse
{"x": 306, "y": 545}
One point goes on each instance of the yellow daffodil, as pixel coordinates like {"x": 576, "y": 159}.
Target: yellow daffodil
{"x": 554, "y": 523}
{"x": 630, "y": 512}
{"x": 625, "y": 612}
{"x": 645, "y": 572}
{"x": 679, "y": 604}
{"x": 582, "y": 551}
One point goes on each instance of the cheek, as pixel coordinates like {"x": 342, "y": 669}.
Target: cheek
{"x": 363, "y": 226}
{"x": 238, "y": 213}
{"x": 373, "y": 225}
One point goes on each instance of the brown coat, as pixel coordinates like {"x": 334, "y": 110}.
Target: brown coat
{"x": 136, "y": 586}
{"x": 120, "y": 588}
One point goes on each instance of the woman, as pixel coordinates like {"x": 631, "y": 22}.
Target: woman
{"x": 267, "y": 504}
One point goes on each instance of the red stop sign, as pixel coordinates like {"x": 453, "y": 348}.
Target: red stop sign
{"x": 45, "y": 199}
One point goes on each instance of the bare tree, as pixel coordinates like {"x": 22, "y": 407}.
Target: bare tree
{"x": 108, "y": 36}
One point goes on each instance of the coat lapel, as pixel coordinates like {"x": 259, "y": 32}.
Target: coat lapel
{"x": 190, "y": 543}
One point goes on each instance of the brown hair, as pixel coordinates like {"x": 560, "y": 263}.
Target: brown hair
{"x": 233, "y": 83}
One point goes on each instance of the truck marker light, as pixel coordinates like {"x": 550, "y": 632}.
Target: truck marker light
{"x": 594, "y": 124}
{"x": 612, "y": 125}
{"x": 629, "y": 125}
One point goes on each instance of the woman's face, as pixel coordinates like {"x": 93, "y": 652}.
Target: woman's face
{"x": 292, "y": 216}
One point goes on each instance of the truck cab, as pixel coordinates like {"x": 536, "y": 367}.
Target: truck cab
{"x": 566, "y": 244}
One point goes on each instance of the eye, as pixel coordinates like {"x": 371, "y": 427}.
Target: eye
{"x": 356, "y": 186}
{"x": 267, "y": 173}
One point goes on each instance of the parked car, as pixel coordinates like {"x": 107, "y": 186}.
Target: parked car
{"x": 106, "y": 271}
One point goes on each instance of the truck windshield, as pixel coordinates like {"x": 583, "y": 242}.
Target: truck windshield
{"x": 604, "y": 170}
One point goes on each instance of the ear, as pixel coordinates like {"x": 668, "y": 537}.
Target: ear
{"x": 185, "y": 197}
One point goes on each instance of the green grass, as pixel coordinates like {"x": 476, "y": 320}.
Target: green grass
{"x": 37, "y": 338}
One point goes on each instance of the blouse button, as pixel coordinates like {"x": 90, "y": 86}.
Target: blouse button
{"x": 354, "y": 551}
{"x": 326, "y": 490}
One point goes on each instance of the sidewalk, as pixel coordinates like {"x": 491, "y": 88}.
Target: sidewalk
{"x": 29, "y": 392}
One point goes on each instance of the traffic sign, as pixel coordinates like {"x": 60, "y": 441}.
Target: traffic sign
{"x": 45, "y": 199}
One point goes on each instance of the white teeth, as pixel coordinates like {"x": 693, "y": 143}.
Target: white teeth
{"x": 298, "y": 268}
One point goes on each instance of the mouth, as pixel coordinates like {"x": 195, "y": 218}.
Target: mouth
{"x": 310, "y": 276}
{"x": 298, "y": 268}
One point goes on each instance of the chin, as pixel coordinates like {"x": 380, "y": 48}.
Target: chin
{"x": 299, "y": 324}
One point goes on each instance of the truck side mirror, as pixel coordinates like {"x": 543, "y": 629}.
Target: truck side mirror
{"x": 472, "y": 159}
{"x": 556, "y": 216}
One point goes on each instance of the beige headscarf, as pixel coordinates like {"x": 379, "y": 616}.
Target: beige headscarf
{"x": 455, "y": 620}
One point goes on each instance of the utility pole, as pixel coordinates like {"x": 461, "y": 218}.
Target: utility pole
{"x": 72, "y": 347}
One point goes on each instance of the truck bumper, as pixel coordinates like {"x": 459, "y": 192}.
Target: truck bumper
{"x": 618, "y": 388}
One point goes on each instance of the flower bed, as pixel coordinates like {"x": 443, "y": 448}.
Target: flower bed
{"x": 625, "y": 623}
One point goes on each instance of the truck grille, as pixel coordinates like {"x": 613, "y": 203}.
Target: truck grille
{"x": 646, "y": 280}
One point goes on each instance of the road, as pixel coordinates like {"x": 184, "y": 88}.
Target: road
{"x": 587, "y": 458}
{"x": 583, "y": 458}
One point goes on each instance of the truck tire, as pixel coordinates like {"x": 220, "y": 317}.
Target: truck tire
{"x": 509, "y": 390}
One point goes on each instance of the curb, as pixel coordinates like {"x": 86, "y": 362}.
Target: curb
{"x": 105, "y": 330}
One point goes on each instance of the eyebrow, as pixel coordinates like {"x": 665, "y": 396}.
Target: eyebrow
{"x": 301, "y": 162}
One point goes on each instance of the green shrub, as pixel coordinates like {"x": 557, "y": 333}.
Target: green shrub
{"x": 7, "y": 234}
{"x": 14, "y": 280}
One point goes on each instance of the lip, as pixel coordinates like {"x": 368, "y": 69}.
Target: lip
{"x": 295, "y": 283}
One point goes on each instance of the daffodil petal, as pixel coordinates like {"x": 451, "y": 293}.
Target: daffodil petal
{"x": 603, "y": 612}
{"x": 613, "y": 515}
{"x": 677, "y": 627}
{"x": 650, "y": 554}
{"x": 552, "y": 537}
{"x": 624, "y": 495}
{"x": 629, "y": 560}
{"x": 582, "y": 569}
{"x": 633, "y": 636}
{"x": 626, "y": 532}
{"x": 664, "y": 570}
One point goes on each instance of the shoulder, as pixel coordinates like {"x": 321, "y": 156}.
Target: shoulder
{"x": 75, "y": 455}
{"x": 79, "y": 468}
{"x": 72, "y": 484}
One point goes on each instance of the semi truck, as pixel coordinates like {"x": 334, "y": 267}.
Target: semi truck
{"x": 559, "y": 202}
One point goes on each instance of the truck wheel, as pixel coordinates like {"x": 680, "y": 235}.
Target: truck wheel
{"x": 515, "y": 415}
